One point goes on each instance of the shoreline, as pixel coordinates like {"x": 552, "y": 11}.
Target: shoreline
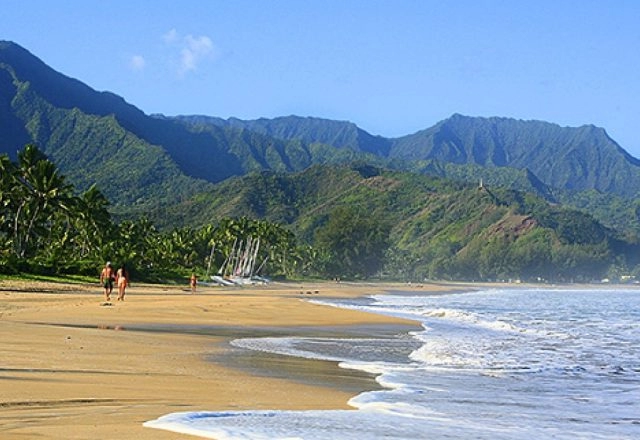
{"x": 73, "y": 369}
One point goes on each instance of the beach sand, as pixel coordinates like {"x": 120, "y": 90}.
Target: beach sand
{"x": 72, "y": 368}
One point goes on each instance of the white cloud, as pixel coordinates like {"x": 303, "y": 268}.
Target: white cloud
{"x": 195, "y": 50}
{"x": 137, "y": 63}
{"x": 170, "y": 37}
{"x": 192, "y": 50}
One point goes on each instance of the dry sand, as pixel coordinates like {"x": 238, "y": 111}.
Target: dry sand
{"x": 71, "y": 368}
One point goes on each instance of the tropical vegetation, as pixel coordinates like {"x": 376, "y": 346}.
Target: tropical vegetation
{"x": 351, "y": 222}
{"x": 45, "y": 228}
{"x": 468, "y": 198}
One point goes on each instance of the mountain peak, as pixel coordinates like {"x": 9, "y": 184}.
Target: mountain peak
{"x": 7, "y": 45}
{"x": 562, "y": 157}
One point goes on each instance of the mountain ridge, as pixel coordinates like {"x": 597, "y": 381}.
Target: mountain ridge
{"x": 556, "y": 155}
{"x": 439, "y": 228}
{"x": 66, "y": 117}
{"x": 570, "y": 158}
{"x": 310, "y": 129}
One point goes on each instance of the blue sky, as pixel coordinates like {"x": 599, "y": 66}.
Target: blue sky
{"x": 391, "y": 66}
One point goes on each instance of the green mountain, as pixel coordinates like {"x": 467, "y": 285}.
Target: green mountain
{"x": 581, "y": 167}
{"x": 438, "y": 227}
{"x": 40, "y": 105}
{"x": 149, "y": 163}
{"x": 467, "y": 198}
{"x": 565, "y": 158}
{"x": 576, "y": 159}
{"x": 40, "y": 84}
{"x": 339, "y": 134}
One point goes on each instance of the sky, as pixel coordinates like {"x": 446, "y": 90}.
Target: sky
{"x": 393, "y": 67}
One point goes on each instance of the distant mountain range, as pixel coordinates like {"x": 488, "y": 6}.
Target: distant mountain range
{"x": 568, "y": 158}
{"x": 145, "y": 162}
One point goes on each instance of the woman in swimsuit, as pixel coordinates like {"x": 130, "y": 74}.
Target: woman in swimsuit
{"x": 122, "y": 277}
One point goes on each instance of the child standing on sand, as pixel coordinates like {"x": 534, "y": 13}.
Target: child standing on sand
{"x": 193, "y": 282}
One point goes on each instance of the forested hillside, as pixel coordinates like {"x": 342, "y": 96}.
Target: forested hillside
{"x": 567, "y": 158}
{"x": 471, "y": 198}
{"x": 437, "y": 228}
{"x": 41, "y": 106}
{"x": 339, "y": 134}
{"x": 355, "y": 222}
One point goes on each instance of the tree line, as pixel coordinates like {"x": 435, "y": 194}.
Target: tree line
{"x": 46, "y": 228}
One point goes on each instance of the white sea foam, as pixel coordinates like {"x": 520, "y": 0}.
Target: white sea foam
{"x": 366, "y": 367}
{"x": 473, "y": 319}
{"x": 488, "y": 365}
{"x": 284, "y": 346}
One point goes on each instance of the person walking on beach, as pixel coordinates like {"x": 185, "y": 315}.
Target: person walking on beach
{"x": 193, "y": 282}
{"x": 122, "y": 278}
{"x": 106, "y": 279}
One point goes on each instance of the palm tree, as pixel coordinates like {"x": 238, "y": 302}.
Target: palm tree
{"x": 40, "y": 191}
{"x": 92, "y": 221}
{"x": 7, "y": 170}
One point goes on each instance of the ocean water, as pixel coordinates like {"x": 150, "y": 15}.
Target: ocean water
{"x": 494, "y": 364}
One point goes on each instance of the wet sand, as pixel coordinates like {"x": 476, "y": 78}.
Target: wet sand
{"x": 75, "y": 369}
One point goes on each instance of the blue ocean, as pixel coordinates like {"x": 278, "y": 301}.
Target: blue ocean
{"x": 492, "y": 364}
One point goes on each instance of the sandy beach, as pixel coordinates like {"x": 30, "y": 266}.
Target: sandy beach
{"x": 75, "y": 369}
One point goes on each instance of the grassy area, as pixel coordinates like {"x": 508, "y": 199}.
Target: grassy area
{"x": 84, "y": 279}
{"x": 73, "y": 279}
